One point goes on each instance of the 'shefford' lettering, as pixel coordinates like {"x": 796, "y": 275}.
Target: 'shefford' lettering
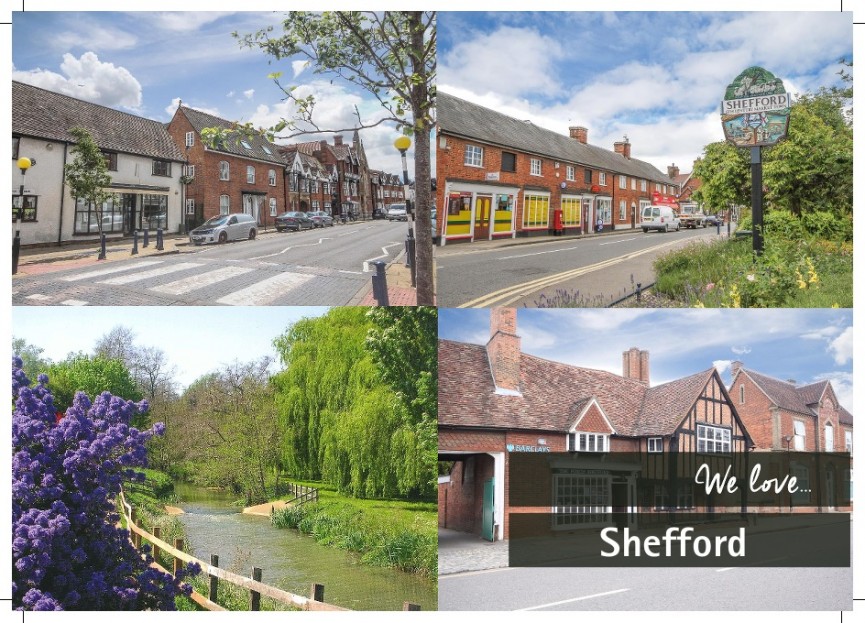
{"x": 761, "y": 103}
{"x": 702, "y": 546}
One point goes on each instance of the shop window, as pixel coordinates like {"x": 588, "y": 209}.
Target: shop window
{"x": 536, "y": 211}
{"x": 580, "y": 500}
{"x": 509, "y": 161}
{"x": 161, "y": 168}
{"x": 536, "y": 166}
{"x": 713, "y": 439}
{"x": 29, "y": 212}
{"x": 154, "y": 211}
{"x": 571, "y": 211}
{"x": 474, "y": 156}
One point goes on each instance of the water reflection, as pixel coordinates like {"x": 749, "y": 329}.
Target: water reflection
{"x": 290, "y": 560}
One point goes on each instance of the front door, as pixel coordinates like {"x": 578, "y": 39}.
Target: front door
{"x": 482, "y": 217}
{"x": 488, "y": 512}
{"x": 129, "y": 215}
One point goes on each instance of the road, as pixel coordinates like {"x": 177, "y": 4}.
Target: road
{"x": 599, "y": 268}
{"x": 315, "y": 267}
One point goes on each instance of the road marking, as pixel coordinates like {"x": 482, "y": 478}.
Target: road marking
{"x": 265, "y": 291}
{"x": 604, "y": 244}
{"x": 147, "y": 274}
{"x": 113, "y": 269}
{"x": 567, "y": 601}
{"x": 74, "y": 302}
{"x": 761, "y": 563}
{"x": 286, "y": 249}
{"x": 385, "y": 253}
{"x": 511, "y": 294}
{"x": 465, "y": 574}
{"x": 196, "y": 282}
{"x": 514, "y": 257}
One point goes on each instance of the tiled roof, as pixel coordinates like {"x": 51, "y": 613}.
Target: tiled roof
{"x": 552, "y": 394}
{"x": 783, "y": 393}
{"x": 666, "y": 405}
{"x": 258, "y": 145}
{"x": 311, "y": 166}
{"x": 812, "y": 393}
{"x": 48, "y": 115}
{"x": 845, "y": 417}
{"x": 462, "y": 118}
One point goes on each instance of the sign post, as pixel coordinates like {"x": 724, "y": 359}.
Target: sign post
{"x": 755, "y": 112}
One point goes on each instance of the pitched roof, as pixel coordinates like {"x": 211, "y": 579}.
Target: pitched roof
{"x": 553, "y": 393}
{"x": 259, "y": 147}
{"x": 463, "y": 118}
{"x": 782, "y": 393}
{"x": 811, "y": 394}
{"x": 48, "y": 115}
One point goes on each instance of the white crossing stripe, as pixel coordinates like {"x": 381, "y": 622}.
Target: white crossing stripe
{"x": 183, "y": 286}
{"x": 114, "y": 269}
{"x": 265, "y": 291}
{"x": 38, "y": 297}
{"x": 74, "y": 302}
{"x": 148, "y": 274}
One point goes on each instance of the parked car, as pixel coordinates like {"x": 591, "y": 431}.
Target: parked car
{"x": 711, "y": 220}
{"x": 396, "y": 212}
{"x": 321, "y": 219}
{"x": 223, "y": 228}
{"x": 379, "y": 212}
{"x": 294, "y": 220}
{"x": 659, "y": 217}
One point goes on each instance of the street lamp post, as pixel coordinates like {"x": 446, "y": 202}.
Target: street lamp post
{"x": 23, "y": 165}
{"x": 402, "y": 144}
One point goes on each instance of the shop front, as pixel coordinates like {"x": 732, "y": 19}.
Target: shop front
{"x": 479, "y": 212}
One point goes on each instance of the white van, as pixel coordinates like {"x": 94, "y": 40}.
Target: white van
{"x": 659, "y": 217}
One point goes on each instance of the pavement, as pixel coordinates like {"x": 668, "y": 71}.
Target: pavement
{"x": 460, "y": 552}
{"x": 41, "y": 260}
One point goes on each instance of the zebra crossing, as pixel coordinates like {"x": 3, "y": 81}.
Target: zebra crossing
{"x": 199, "y": 282}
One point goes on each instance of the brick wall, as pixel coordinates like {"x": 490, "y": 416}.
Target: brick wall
{"x": 504, "y": 348}
{"x": 593, "y": 422}
{"x": 755, "y": 413}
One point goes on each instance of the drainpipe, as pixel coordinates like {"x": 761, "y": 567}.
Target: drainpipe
{"x": 62, "y": 196}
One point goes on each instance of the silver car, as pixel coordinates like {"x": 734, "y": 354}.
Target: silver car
{"x": 223, "y": 228}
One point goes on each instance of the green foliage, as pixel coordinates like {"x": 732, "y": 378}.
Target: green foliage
{"x": 341, "y": 421}
{"x": 31, "y": 356}
{"x": 87, "y": 175}
{"x": 411, "y": 547}
{"x": 91, "y": 375}
{"x": 725, "y": 174}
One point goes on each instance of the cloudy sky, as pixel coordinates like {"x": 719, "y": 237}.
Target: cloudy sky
{"x": 657, "y": 77}
{"x": 196, "y": 340}
{"x": 804, "y": 345}
{"x": 145, "y": 62}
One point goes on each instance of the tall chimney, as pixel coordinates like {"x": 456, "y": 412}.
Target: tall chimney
{"x": 337, "y": 139}
{"x": 672, "y": 171}
{"x": 635, "y": 365}
{"x": 623, "y": 147}
{"x": 580, "y": 133}
{"x": 503, "y": 350}
{"x": 734, "y": 369}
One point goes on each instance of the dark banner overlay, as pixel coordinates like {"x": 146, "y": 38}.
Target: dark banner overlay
{"x": 777, "y": 509}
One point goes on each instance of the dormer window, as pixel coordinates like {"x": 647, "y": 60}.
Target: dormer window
{"x": 588, "y": 442}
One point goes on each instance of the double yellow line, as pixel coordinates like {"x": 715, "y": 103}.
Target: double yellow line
{"x": 512, "y": 294}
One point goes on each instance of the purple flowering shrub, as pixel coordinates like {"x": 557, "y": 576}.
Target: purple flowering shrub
{"x": 68, "y": 550}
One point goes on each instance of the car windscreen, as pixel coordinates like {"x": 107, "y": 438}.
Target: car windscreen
{"x": 215, "y": 220}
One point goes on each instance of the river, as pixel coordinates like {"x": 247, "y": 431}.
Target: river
{"x": 290, "y": 560}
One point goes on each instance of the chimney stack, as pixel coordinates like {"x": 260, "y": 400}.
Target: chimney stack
{"x": 623, "y": 147}
{"x": 503, "y": 350}
{"x": 580, "y": 133}
{"x": 337, "y": 139}
{"x": 734, "y": 369}
{"x": 635, "y": 365}
{"x": 672, "y": 171}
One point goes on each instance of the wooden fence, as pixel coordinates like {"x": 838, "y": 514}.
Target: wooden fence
{"x": 256, "y": 588}
{"x": 300, "y": 494}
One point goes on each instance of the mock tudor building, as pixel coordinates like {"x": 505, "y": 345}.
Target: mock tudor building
{"x": 308, "y": 181}
{"x": 240, "y": 174}
{"x": 495, "y": 401}
{"x": 504, "y": 177}
{"x": 346, "y": 165}
{"x": 144, "y": 163}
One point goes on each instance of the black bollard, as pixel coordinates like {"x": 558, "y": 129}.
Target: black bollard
{"x": 379, "y": 284}
{"x": 410, "y": 256}
{"x": 718, "y": 225}
{"x": 16, "y": 251}
{"x": 639, "y": 291}
{"x": 159, "y": 242}
{"x": 146, "y": 242}
{"x": 135, "y": 242}
{"x": 102, "y": 246}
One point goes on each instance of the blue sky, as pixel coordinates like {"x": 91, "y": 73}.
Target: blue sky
{"x": 144, "y": 62}
{"x": 196, "y": 340}
{"x": 657, "y": 77}
{"x": 805, "y": 345}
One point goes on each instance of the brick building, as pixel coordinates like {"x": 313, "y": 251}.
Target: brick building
{"x": 504, "y": 177}
{"x": 495, "y": 401}
{"x": 347, "y": 167}
{"x": 308, "y": 181}
{"x": 241, "y": 174}
{"x": 387, "y": 189}
{"x": 143, "y": 162}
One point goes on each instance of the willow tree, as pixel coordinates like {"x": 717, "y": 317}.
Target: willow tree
{"x": 389, "y": 54}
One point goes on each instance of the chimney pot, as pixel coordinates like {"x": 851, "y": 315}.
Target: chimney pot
{"x": 579, "y": 133}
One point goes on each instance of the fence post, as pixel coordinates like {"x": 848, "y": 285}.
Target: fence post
{"x": 379, "y": 284}
{"x": 157, "y": 532}
{"x": 136, "y": 538}
{"x": 316, "y": 592}
{"x": 410, "y": 607}
{"x": 146, "y": 238}
{"x": 255, "y": 596}
{"x": 178, "y": 545}
{"x": 214, "y": 581}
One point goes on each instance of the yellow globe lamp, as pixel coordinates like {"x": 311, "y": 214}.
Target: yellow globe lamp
{"x": 24, "y": 164}
{"x": 402, "y": 143}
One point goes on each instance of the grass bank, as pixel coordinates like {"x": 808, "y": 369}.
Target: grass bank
{"x": 387, "y": 533}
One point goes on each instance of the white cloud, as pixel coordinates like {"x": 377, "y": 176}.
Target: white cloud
{"x": 184, "y": 22}
{"x": 90, "y": 79}
{"x": 172, "y": 107}
{"x": 721, "y": 365}
{"x": 822, "y": 333}
{"x": 842, "y": 347}
{"x": 249, "y": 93}
{"x": 298, "y": 67}
{"x": 740, "y": 350}
{"x": 842, "y": 383}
